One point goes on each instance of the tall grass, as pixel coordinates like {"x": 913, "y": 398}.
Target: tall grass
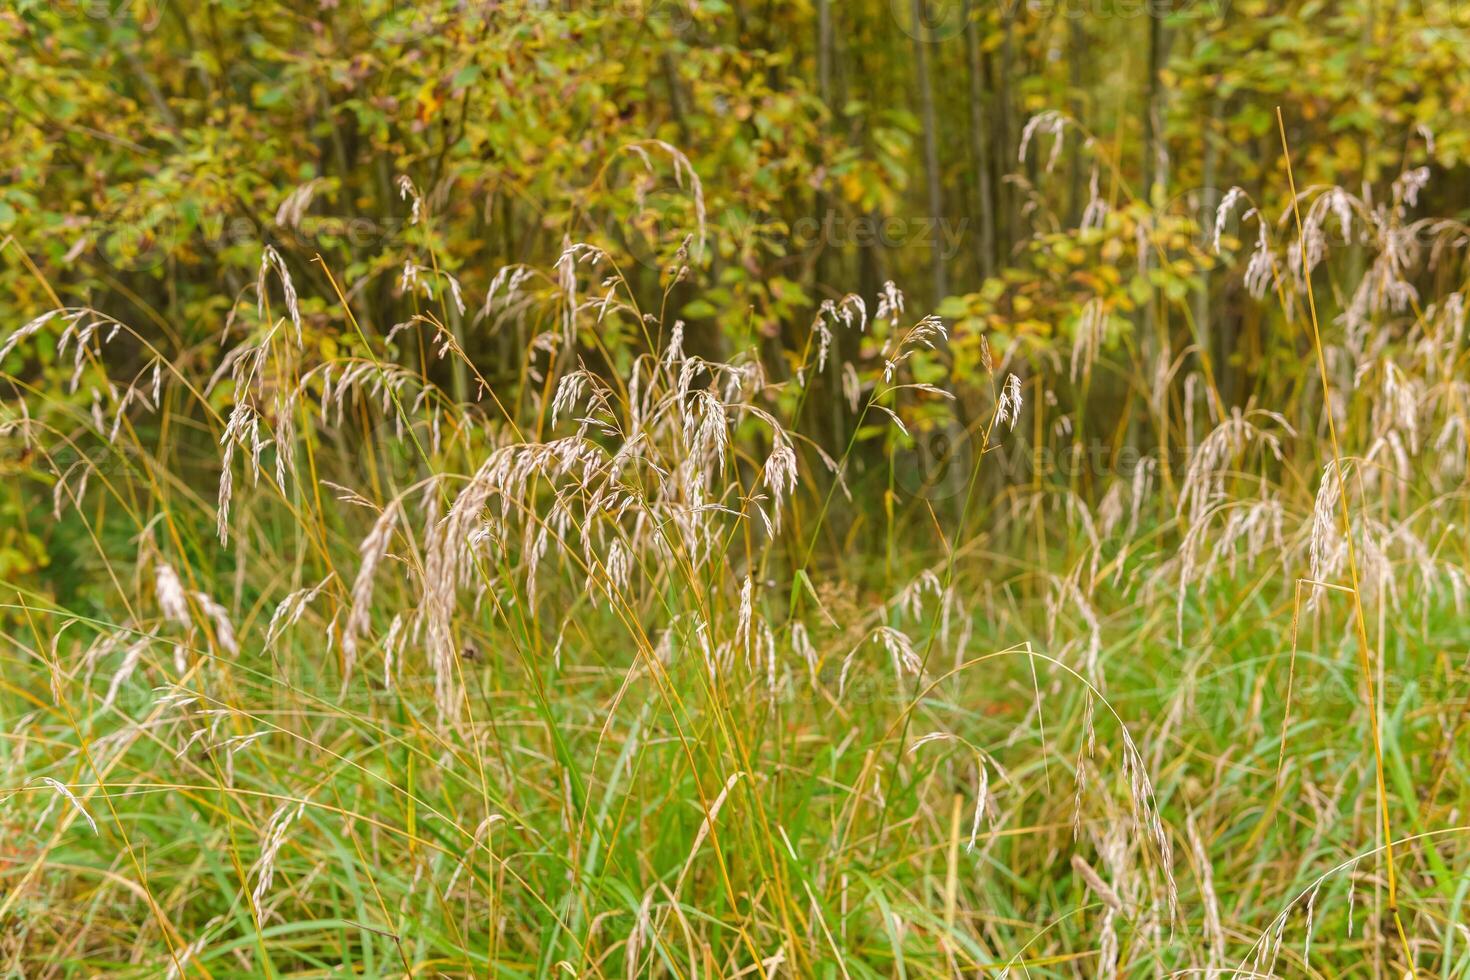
{"x": 617, "y": 657}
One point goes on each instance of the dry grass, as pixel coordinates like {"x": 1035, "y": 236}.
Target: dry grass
{"x": 629, "y": 663}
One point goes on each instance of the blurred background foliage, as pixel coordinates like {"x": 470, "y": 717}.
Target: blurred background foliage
{"x": 1092, "y": 194}
{"x": 1044, "y": 174}
{"x": 150, "y": 145}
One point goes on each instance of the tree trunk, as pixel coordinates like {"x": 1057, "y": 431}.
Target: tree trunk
{"x": 979, "y": 136}
{"x": 931, "y": 148}
{"x": 824, "y": 50}
{"x": 1157, "y": 165}
{"x": 1010, "y": 201}
{"x": 1076, "y": 45}
{"x": 1211, "y": 198}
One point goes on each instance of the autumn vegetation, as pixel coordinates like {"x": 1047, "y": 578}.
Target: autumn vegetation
{"x": 694, "y": 488}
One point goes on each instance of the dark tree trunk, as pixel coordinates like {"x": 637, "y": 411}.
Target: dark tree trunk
{"x": 931, "y": 147}
{"x": 980, "y": 135}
